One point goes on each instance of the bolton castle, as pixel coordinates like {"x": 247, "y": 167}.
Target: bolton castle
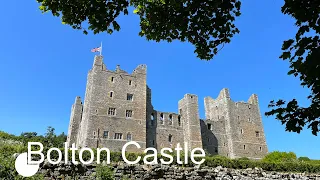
{"x": 117, "y": 108}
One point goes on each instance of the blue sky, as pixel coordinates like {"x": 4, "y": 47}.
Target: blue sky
{"x": 44, "y": 65}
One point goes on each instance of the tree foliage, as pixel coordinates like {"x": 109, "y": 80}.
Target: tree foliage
{"x": 208, "y": 25}
{"x": 303, "y": 54}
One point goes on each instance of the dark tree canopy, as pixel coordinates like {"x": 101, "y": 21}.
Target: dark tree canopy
{"x": 303, "y": 53}
{"x": 205, "y": 24}
{"x": 208, "y": 25}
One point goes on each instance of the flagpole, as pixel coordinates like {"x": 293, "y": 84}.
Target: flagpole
{"x": 101, "y": 49}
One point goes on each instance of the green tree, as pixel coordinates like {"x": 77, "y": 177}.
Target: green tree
{"x": 303, "y": 54}
{"x": 209, "y": 25}
{"x": 50, "y": 136}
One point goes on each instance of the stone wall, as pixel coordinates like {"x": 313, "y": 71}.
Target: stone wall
{"x": 149, "y": 172}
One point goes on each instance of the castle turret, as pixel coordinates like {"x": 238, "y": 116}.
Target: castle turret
{"x": 188, "y": 109}
{"x": 75, "y": 119}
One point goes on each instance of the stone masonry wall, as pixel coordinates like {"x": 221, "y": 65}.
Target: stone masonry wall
{"x": 151, "y": 172}
{"x": 111, "y": 89}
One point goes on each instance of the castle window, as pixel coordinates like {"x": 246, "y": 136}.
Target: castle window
{"x": 244, "y": 146}
{"x": 152, "y": 142}
{"x": 216, "y": 149}
{"x": 209, "y": 127}
{"x": 130, "y": 82}
{"x": 94, "y": 134}
{"x": 111, "y": 94}
{"x": 260, "y": 148}
{"x": 170, "y": 119}
{"x": 161, "y": 118}
{"x": 128, "y": 113}
{"x": 112, "y": 79}
{"x": 257, "y": 134}
{"x": 129, "y": 97}
{"x": 179, "y": 120}
{"x": 118, "y": 136}
{"x": 152, "y": 116}
{"x": 129, "y": 137}
{"x": 105, "y": 134}
{"x": 238, "y": 117}
{"x": 170, "y": 138}
{"x": 112, "y": 111}
{"x": 241, "y": 131}
{"x": 249, "y": 119}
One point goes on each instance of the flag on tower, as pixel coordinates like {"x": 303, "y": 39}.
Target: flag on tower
{"x": 97, "y": 49}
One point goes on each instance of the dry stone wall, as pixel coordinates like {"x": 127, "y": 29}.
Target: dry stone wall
{"x": 150, "y": 172}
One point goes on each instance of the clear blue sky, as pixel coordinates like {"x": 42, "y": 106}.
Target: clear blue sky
{"x": 44, "y": 65}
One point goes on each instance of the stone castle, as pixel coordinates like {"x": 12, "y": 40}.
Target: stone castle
{"x": 117, "y": 108}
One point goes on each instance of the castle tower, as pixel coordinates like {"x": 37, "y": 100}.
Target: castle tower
{"x": 114, "y": 107}
{"x": 188, "y": 109}
{"x": 75, "y": 120}
{"x": 236, "y": 127}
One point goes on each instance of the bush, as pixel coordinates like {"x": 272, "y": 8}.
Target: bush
{"x": 303, "y": 159}
{"x": 104, "y": 173}
{"x": 278, "y": 157}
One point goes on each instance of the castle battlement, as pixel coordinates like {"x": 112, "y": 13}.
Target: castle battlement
{"x": 118, "y": 108}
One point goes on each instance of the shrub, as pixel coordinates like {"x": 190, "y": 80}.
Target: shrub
{"x": 278, "y": 157}
{"x": 104, "y": 173}
{"x": 303, "y": 159}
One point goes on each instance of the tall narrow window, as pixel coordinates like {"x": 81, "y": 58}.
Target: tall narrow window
{"x": 152, "y": 119}
{"x": 129, "y": 97}
{"x": 170, "y": 138}
{"x": 209, "y": 126}
{"x": 260, "y": 148}
{"x": 130, "y": 82}
{"x": 118, "y": 136}
{"x": 129, "y": 137}
{"x": 161, "y": 118}
{"x": 128, "y": 113}
{"x": 112, "y": 111}
{"x": 216, "y": 149}
{"x": 244, "y": 146}
{"x": 112, "y": 79}
{"x": 241, "y": 131}
{"x": 170, "y": 119}
{"x": 111, "y": 94}
{"x": 94, "y": 134}
{"x": 179, "y": 120}
{"x": 105, "y": 134}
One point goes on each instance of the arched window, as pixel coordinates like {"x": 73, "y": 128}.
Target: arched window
{"x": 129, "y": 137}
{"x": 161, "y": 118}
{"x": 170, "y": 119}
